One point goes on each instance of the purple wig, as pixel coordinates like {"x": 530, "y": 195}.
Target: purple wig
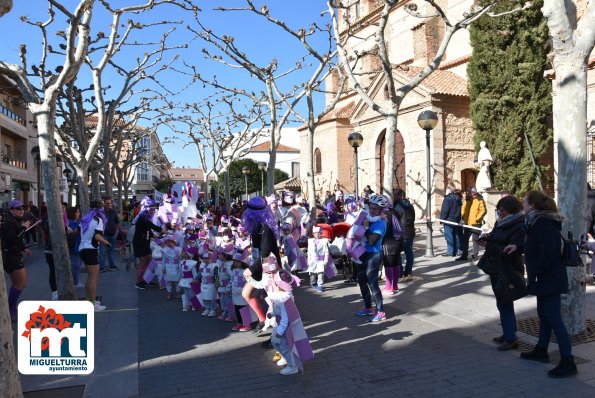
{"x": 92, "y": 213}
{"x": 254, "y": 215}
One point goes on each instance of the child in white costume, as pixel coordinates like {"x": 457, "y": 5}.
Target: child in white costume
{"x": 157, "y": 254}
{"x": 278, "y": 285}
{"x": 295, "y": 258}
{"x": 189, "y": 275}
{"x": 318, "y": 256}
{"x": 225, "y": 261}
{"x": 208, "y": 288}
{"x": 238, "y": 281}
{"x": 170, "y": 258}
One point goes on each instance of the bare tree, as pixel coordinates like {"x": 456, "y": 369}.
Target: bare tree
{"x": 222, "y": 129}
{"x": 349, "y": 59}
{"x": 42, "y": 103}
{"x": 573, "y": 39}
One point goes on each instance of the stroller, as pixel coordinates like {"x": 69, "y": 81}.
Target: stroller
{"x": 337, "y": 247}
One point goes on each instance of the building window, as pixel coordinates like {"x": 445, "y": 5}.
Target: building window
{"x": 317, "y": 161}
{"x": 144, "y": 145}
{"x": 295, "y": 169}
{"x": 142, "y": 172}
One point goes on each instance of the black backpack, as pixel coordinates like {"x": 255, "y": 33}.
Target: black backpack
{"x": 571, "y": 251}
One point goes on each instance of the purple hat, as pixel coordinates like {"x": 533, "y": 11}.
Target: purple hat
{"x": 241, "y": 255}
{"x": 192, "y": 250}
{"x": 208, "y": 217}
{"x": 224, "y": 220}
{"x": 202, "y": 234}
{"x": 168, "y": 238}
{"x": 147, "y": 202}
{"x": 13, "y": 204}
{"x": 286, "y": 226}
{"x": 257, "y": 203}
{"x": 191, "y": 237}
{"x": 270, "y": 265}
{"x": 271, "y": 199}
{"x": 227, "y": 248}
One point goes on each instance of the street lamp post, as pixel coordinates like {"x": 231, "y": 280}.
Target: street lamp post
{"x": 427, "y": 120}
{"x": 262, "y": 167}
{"x": 355, "y": 139}
{"x": 246, "y": 171}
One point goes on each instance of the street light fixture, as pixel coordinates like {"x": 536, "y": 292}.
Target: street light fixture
{"x": 262, "y": 166}
{"x": 427, "y": 120}
{"x": 355, "y": 139}
{"x": 246, "y": 171}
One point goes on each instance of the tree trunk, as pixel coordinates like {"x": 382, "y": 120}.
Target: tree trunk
{"x": 272, "y": 162}
{"x": 45, "y": 123}
{"x": 389, "y": 155}
{"x": 10, "y": 383}
{"x": 570, "y": 131}
{"x": 226, "y": 188}
{"x": 82, "y": 179}
{"x": 107, "y": 179}
{"x": 310, "y": 181}
{"x": 95, "y": 184}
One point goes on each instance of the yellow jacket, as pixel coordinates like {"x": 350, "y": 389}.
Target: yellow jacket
{"x": 473, "y": 211}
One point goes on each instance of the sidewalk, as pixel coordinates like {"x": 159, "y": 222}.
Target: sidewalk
{"x": 435, "y": 342}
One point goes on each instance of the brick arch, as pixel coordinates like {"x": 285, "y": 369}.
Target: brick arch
{"x": 399, "y": 169}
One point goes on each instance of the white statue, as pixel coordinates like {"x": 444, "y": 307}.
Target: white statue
{"x": 484, "y": 159}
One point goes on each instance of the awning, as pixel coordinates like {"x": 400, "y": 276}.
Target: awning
{"x": 292, "y": 184}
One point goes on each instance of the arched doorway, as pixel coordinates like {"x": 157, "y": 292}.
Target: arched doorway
{"x": 399, "y": 170}
{"x": 468, "y": 177}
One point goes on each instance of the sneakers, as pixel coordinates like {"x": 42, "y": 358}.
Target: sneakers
{"x": 236, "y": 327}
{"x": 538, "y": 354}
{"x": 244, "y": 329}
{"x": 258, "y": 328}
{"x": 212, "y": 313}
{"x": 185, "y": 309}
{"x": 290, "y": 370}
{"x": 461, "y": 258}
{"x": 350, "y": 281}
{"x": 99, "y": 307}
{"x": 377, "y": 317}
{"x": 314, "y": 286}
{"x": 319, "y": 288}
{"x": 141, "y": 285}
{"x": 222, "y": 317}
{"x": 565, "y": 368}
{"x": 102, "y": 270}
{"x": 114, "y": 268}
{"x": 79, "y": 286}
{"x": 506, "y": 346}
{"x": 499, "y": 339}
{"x": 55, "y": 295}
{"x": 282, "y": 362}
{"x": 205, "y": 312}
{"x": 230, "y": 319}
{"x": 365, "y": 312}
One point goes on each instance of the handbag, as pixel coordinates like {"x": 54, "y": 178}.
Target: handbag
{"x": 509, "y": 285}
{"x": 489, "y": 264}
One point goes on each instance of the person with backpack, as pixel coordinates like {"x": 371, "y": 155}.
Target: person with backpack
{"x": 392, "y": 246}
{"x": 367, "y": 271}
{"x": 546, "y": 278}
{"x": 405, "y": 211}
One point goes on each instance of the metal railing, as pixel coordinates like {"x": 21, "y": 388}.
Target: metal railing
{"x": 14, "y": 162}
{"x": 10, "y": 114}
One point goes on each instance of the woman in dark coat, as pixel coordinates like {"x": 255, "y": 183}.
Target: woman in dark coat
{"x": 13, "y": 248}
{"x": 509, "y": 230}
{"x": 141, "y": 242}
{"x": 546, "y": 279}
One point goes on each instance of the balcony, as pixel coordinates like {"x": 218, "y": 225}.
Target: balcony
{"x": 14, "y": 162}
{"x": 10, "y": 114}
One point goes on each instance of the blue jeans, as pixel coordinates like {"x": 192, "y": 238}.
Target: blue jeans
{"x": 110, "y": 253}
{"x": 408, "y": 249}
{"x": 367, "y": 279}
{"x": 281, "y": 345}
{"x": 451, "y": 239}
{"x": 550, "y": 319}
{"x": 75, "y": 267}
{"x": 508, "y": 321}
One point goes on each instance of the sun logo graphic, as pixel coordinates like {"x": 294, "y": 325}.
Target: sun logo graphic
{"x": 56, "y": 337}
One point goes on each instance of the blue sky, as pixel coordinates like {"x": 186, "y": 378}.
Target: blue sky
{"x": 252, "y": 34}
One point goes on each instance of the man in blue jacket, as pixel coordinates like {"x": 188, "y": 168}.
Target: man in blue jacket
{"x": 451, "y": 211}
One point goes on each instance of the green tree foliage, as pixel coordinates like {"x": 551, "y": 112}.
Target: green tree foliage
{"x": 510, "y": 96}
{"x": 164, "y": 184}
{"x": 237, "y": 184}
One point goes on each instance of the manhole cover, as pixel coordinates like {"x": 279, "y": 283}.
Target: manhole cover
{"x": 530, "y": 326}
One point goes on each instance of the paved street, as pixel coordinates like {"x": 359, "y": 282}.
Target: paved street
{"x": 436, "y": 341}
